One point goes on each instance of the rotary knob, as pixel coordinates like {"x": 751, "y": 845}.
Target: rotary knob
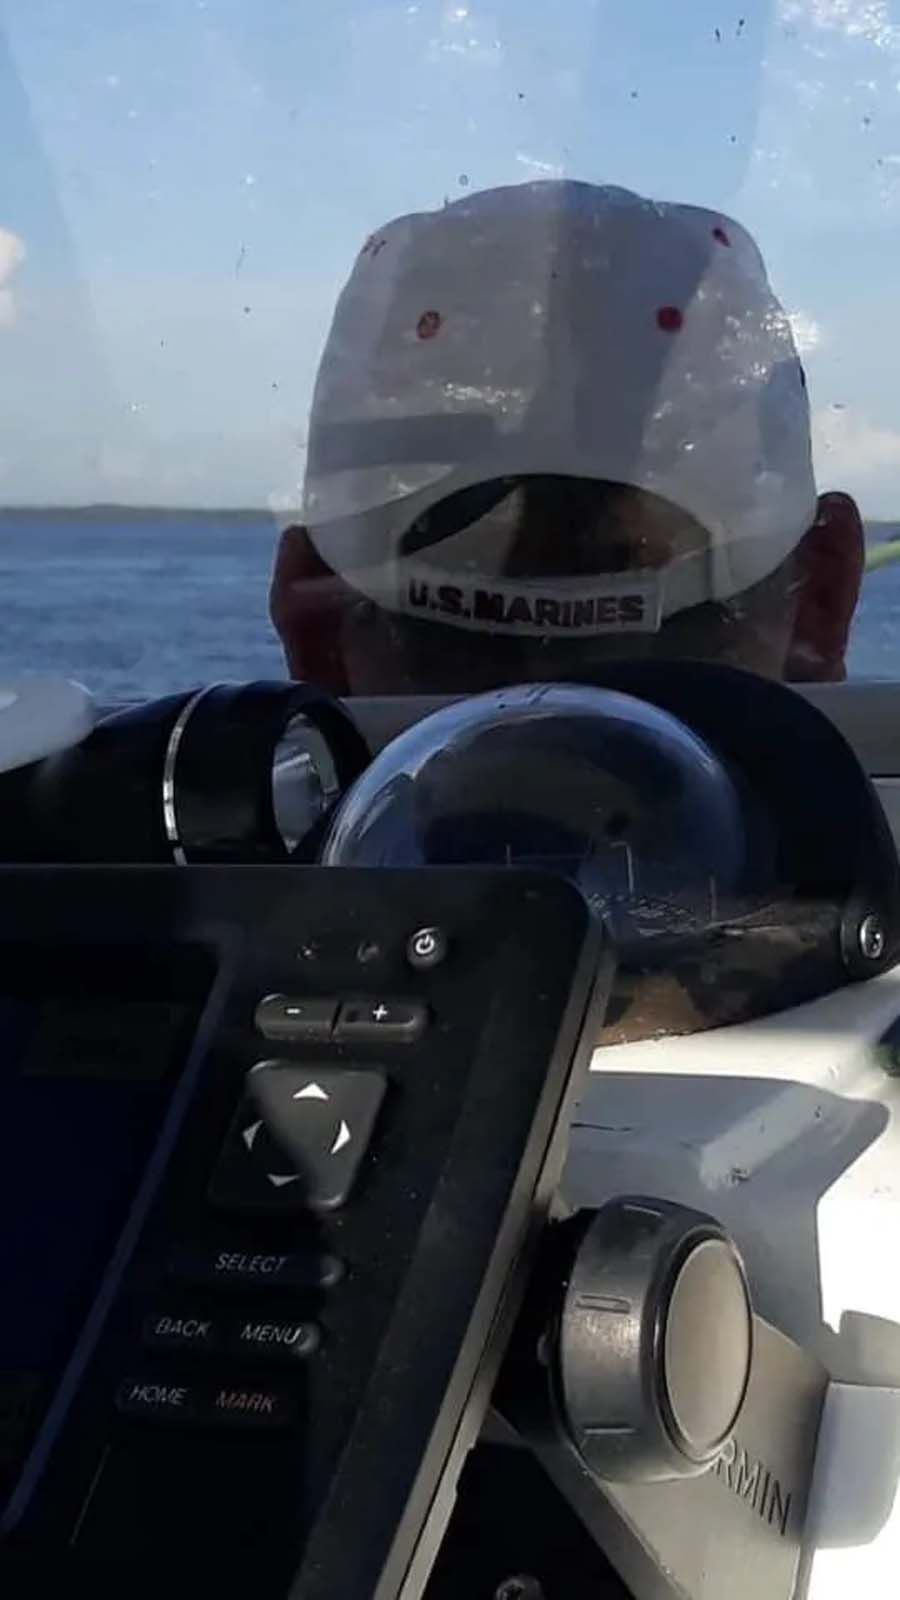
{"x": 654, "y": 1340}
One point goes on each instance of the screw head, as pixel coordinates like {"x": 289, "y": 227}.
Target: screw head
{"x": 521, "y": 1586}
{"x": 871, "y": 937}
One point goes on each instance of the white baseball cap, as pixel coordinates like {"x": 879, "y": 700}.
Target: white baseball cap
{"x": 563, "y": 329}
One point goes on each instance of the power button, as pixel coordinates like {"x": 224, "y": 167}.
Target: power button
{"x": 426, "y": 948}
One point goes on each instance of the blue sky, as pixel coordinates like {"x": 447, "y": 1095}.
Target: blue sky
{"x": 185, "y": 184}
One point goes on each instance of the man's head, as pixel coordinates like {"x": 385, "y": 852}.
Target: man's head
{"x": 556, "y": 424}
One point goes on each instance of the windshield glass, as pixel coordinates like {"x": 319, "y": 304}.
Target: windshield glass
{"x": 430, "y": 346}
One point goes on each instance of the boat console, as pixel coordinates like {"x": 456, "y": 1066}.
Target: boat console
{"x": 307, "y": 1186}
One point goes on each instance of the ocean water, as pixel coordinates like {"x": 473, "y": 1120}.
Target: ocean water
{"x": 145, "y": 603}
{"x": 136, "y": 604}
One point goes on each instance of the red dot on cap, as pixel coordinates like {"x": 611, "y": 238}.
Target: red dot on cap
{"x": 721, "y": 235}
{"x": 428, "y": 324}
{"x": 669, "y": 318}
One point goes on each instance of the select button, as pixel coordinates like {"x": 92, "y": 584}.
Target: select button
{"x": 246, "y": 1269}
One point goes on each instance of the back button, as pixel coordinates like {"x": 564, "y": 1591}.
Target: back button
{"x": 172, "y": 1329}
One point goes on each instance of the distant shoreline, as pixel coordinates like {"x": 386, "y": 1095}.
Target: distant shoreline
{"x": 108, "y": 511}
{"x": 878, "y": 529}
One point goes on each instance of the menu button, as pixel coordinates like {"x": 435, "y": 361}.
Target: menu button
{"x": 274, "y": 1341}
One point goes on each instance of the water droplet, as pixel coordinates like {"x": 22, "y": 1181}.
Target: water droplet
{"x": 250, "y": 180}
{"x": 246, "y": 311}
{"x": 464, "y": 180}
{"x": 133, "y": 407}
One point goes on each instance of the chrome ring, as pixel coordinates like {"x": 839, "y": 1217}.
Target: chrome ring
{"x": 170, "y": 817}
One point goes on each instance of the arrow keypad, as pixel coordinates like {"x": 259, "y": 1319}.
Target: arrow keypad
{"x": 298, "y": 1139}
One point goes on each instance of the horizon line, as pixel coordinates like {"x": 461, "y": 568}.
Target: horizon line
{"x": 94, "y": 506}
{"x": 290, "y": 514}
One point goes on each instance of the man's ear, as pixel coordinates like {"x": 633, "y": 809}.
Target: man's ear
{"x": 307, "y": 605}
{"x": 830, "y": 563}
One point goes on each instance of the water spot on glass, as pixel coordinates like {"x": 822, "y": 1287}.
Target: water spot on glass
{"x": 134, "y": 407}
{"x": 246, "y": 311}
{"x": 669, "y": 319}
{"x": 688, "y": 446}
{"x": 249, "y": 179}
{"x": 838, "y": 405}
{"x": 240, "y": 259}
{"x": 718, "y": 36}
{"x": 520, "y": 95}
{"x": 721, "y": 235}
{"x": 742, "y": 22}
{"x": 464, "y": 180}
{"x": 732, "y": 138}
{"x": 867, "y": 122}
{"x": 428, "y": 324}
{"x": 132, "y": 115}
{"x": 634, "y": 94}
{"x": 113, "y": 80}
